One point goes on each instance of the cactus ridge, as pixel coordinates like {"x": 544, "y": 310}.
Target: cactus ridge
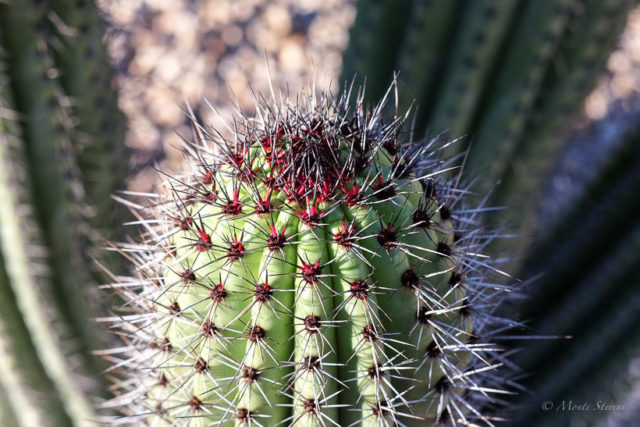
{"x": 313, "y": 269}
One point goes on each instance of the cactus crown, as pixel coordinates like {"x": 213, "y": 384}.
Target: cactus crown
{"x": 316, "y": 269}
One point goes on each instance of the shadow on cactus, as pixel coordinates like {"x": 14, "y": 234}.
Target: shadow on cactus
{"x": 319, "y": 267}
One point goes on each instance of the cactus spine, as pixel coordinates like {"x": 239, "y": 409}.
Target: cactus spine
{"x": 515, "y": 98}
{"x": 507, "y": 76}
{"x": 314, "y": 269}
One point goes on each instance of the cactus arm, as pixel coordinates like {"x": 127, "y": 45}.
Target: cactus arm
{"x": 31, "y": 297}
{"x": 581, "y": 57}
{"x": 378, "y": 29}
{"x": 420, "y": 60}
{"x": 85, "y": 76}
{"x": 516, "y": 86}
{"x": 482, "y": 36}
{"x": 58, "y": 193}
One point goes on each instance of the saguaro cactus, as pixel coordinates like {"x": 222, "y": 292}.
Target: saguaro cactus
{"x": 313, "y": 269}
{"x": 507, "y": 76}
{"x": 61, "y": 134}
{"x": 511, "y": 77}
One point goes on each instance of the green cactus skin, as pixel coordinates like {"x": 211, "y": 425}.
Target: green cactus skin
{"x": 478, "y": 45}
{"x": 580, "y": 59}
{"x": 312, "y": 270}
{"x": 85, "y": 76}
{"x": 14, "y": 340}
{"x": 515, "y": 90}
{"x": 6, "y": 412}
{"x": 48, "y": 373}
{"x": 377, "y": 31}
{"x": 35, "y": 343}
{"x": 58, "y": 192}
{"x": 422, "y": 55}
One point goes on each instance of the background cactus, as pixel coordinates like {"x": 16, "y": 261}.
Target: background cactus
{"x": 59, "y": 133}
{"x": 313, "y": 269}
{"x": 506, "y": 75}
{"x": 514, "y": 94}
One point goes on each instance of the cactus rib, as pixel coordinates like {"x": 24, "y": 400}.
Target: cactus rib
{"x": 516, "y": 86}
{"x": 481, "y": 38}
{"x": 83, "y": 64}
{"x": 581, "y": 56}
{"x": 38, "y": 314}
{"x": 315, "y": 269}
{"x": 58, "y": 192}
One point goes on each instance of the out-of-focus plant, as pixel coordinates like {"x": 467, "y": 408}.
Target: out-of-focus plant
{"x": 511, "y": 77}
{"x": 61, "y": 157}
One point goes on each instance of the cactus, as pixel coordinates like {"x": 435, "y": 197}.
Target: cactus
{"x": 514, "y": 98}
{"x": 507, "y": 77}
{"x": 317, "y": 267}
{"x": 49, "y": 225}
{"x": 313, "y": 269}
{"x": 86, "y": 77}
{"x": 586, "y": 294}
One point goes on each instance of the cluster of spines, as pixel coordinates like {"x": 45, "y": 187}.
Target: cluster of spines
{"x": 313, "y": 270}
{"x": 508, "y": 77}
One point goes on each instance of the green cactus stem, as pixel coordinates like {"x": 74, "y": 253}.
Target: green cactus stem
{"x": 422, "y": 57}
{"x": 83, "y": 64}
{"x": 516, "y": 86}
{"x": 579, "y": 61}
{"x": 6, "y": 412}
{"x": 471, "y": 71}
{"x": 378, "y": 30}
{"x": 22, "y": 254}
{"x": 56, "y": 182}
{"x": 315, "y": 269}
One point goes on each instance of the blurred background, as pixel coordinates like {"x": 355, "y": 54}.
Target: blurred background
{"x": 167, "y": 53}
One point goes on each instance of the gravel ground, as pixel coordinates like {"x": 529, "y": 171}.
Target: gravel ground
{"x": 170, "y": 52}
